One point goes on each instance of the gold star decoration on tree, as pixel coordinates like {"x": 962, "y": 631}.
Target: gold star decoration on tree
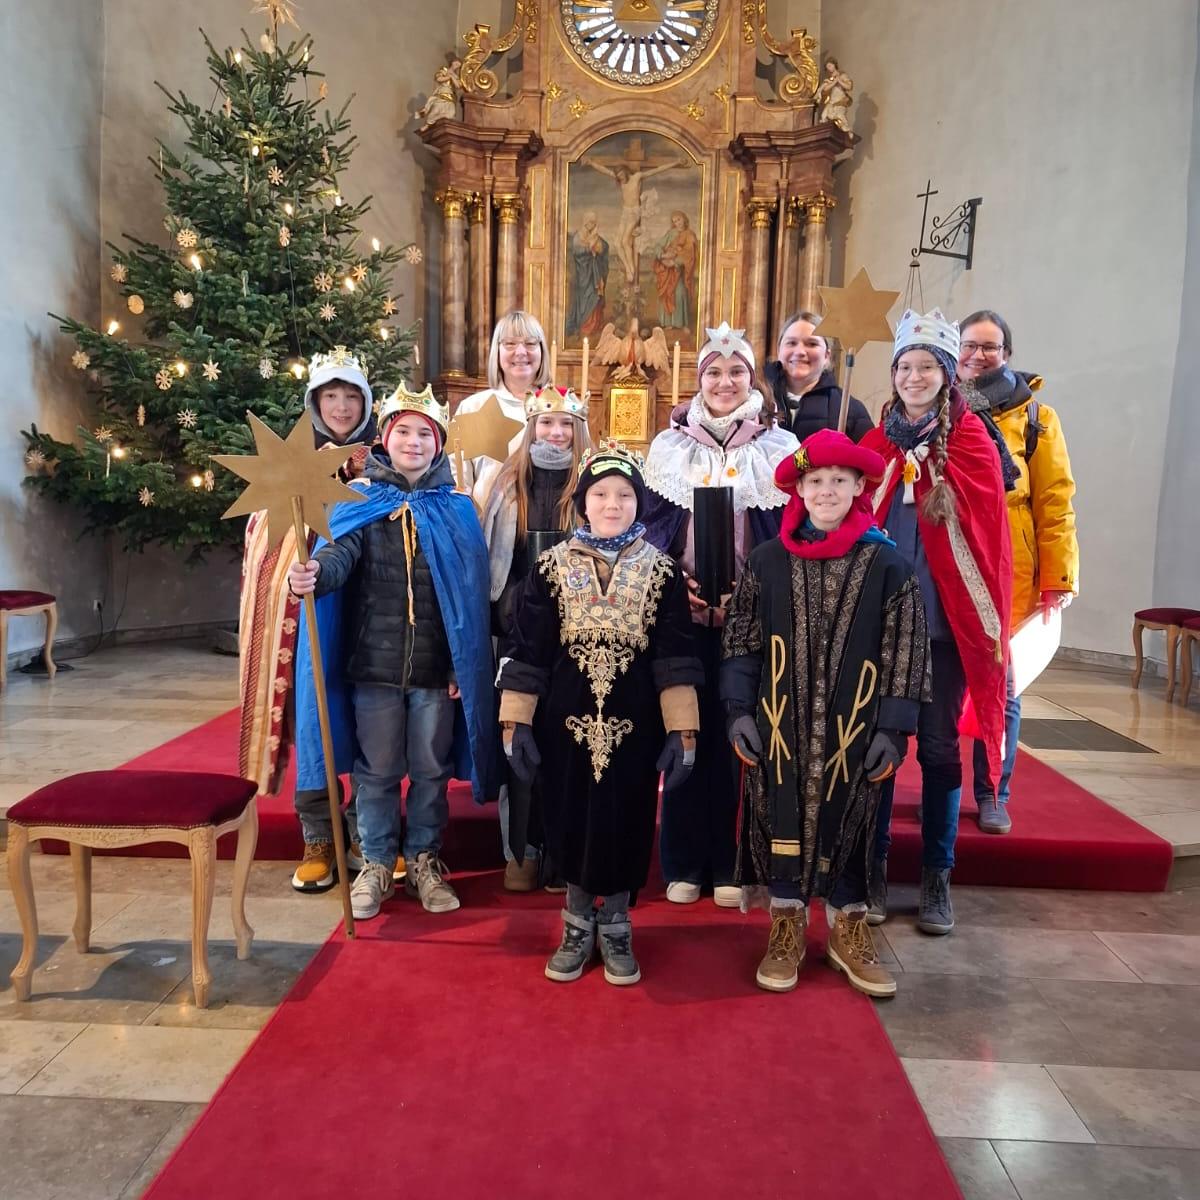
{"x": 328, "y": 312}
{"x": 274, "y": 175}
{"x": 35, "y": 460}
{"x": 136, "y": 304}
{"x": 286, "y": 471}
{"x": 323, "y": 281}
{"x": 163, "y": 379}
{"x": 145, "y": 497}
{"x": 285, "y": 236}
{"x": 212, "y": 372}
{"x": 228, "y": 107}
{"x": 413, "y": 255}
{"x": 186, "y": 238}
{"x": 389, "y": 307}
{"x": 183, "y": 299}
{"x": 119, "y": 273}
{"x": 323, "y": 91}
{"x": 186, "y": 418}
{"x": 486, "y": 431}
{"x": 80, "y": 360}
{"x": 857, "y": 314}
{"x": 359, "y": 273}
{"x": 103, "y": 434}
{"x": 266, "y": 368}
{"x": 278, "y": 11}
{"x": 141, "y": 415}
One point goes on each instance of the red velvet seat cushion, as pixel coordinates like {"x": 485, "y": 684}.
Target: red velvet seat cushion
{"x": 1166, "y": 616}
{"x": 1193, "y": 623}
{"x": 24, "y": 599}
{"x": 182, "y": 799}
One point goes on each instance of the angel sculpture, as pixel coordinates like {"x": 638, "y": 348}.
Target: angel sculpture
{"x": 443, "y": 103}
{"x": 835, "y": 95}
{"x": 631, "y": 352}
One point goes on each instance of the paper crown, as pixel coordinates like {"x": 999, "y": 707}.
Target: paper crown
{"x": 423, "y": 402}
{"x": 607, "y": 454}
{"x": 725, "y": 343}
{"x": 340, "y": 363}
{"x": 932, "y": 329}
{"x": 555, "y": 400}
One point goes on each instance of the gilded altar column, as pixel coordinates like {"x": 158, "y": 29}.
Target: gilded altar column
{"x": 454, "y": 281}
{"x": 479, "y": 317}
{"x": 789, "y": 272}
{"x": 812, "y": 261}
{"x": 508, "y": 217}
{"x": 758, "y": 278}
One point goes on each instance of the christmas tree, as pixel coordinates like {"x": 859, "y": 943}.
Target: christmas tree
{"x": 263, "y": 269}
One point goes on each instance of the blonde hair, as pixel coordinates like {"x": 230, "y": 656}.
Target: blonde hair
{"x": 937, "y": 505}
{"x": 521, "y": 325}
{"x": 516, "y": 476}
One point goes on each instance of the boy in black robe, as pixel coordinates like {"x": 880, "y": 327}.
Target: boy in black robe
{"x": 825, "y": 665}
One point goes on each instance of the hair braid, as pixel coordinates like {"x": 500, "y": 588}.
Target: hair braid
{"x": 938, "y": 504}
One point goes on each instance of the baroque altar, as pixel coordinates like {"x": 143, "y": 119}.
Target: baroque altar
{"x": 631, "y": 172}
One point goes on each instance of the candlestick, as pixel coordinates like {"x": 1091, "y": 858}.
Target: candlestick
{"x": 416, "y": 355}
{"x": 675, "y": 376}
{"x": 583, "y": 383}
{"x": 553, "y": 360}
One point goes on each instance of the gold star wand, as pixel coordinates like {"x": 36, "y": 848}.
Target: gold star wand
{"x": 295, "y": 482}
{"x": 855, "y": 315}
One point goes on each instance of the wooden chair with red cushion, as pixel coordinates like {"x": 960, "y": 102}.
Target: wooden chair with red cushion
{"x": 1169, "y": 621}
{"x": 27, "y": 604}
{"x": 1189, "y": 638}
{"x": 111, "y": 809}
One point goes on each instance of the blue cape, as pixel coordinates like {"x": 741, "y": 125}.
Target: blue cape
{"x": 453, "y": 544}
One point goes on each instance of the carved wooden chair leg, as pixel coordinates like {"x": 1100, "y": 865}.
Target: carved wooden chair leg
{"x": 3, "y": 648}
{"x": 21, "y": 881}
{"x": 48, "y": 648}
{"x": 1138, "y": 628}
{"x": 1173, "y": 632}
{"x": 202, "y": 846}
{"x": 81, "y": 864}
{"x": 1186, "y": 645}
{"x": 246, "y": 845}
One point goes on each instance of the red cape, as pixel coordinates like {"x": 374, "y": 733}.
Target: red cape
{"x": 973, "y": 472}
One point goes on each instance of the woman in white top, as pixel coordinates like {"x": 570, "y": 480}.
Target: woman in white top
{"x": 518, "y": 363}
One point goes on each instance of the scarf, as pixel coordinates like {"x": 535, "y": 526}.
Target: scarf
{"x": 619, "y": 542}
{"x": 550, "y": 457}
{"x": 803, "y": 539}
{"x": 720, "y": 426}
{"x": 993, "y": 392}
{"x": 916, "y": 440}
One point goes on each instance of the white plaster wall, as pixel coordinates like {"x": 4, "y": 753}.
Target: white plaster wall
{"x": 50, "y": 95}
{"x": 1074, "y": 121}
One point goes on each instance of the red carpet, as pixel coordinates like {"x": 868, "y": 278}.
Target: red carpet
{"x": 431, "y": 1057}
{"x": 1062, "y": 837}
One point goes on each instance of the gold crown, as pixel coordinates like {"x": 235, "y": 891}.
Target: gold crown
{"x": 423, "y": 402}
{"x": 555, "y": 400}
{"x": 339, "y": 356}
{"x": 608, "y": 452}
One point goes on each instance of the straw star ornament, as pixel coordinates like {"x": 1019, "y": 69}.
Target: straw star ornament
{"x": 289, "y": 470}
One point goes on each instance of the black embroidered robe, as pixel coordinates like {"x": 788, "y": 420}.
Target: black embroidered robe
{"x": 833, "y": 650}
{"x": 597, "y": 645}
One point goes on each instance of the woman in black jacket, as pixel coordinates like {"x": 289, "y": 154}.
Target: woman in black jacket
{"x": 806, "y": 394}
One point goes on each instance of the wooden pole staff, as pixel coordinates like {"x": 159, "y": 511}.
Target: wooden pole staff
{"x": 847, "y": 375}
{"x": 331, "y": 779}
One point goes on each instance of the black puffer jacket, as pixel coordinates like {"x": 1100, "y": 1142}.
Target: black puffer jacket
{"x": 382, "y": 645}
{"x": 818, "y": 409}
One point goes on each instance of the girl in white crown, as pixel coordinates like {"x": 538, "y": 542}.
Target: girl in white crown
{"x": 533, "y": 495}
{"x": 725, "y": 437}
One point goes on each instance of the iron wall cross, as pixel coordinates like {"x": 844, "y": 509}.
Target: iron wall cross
{"x": 945, "y": 232}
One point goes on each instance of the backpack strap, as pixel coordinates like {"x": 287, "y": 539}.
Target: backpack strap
{"x": 1033, "y": 429}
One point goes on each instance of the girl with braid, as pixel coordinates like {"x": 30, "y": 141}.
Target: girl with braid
{"x": 942, "y": 501}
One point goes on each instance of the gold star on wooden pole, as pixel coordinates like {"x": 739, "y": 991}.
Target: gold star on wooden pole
{"x": 855, "y": 315}
{"x": 295, "y": 482}
{"x": 486, "y": 432}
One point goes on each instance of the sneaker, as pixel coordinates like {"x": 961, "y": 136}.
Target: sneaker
{"x": 372, "y": 887}
{"x": 851, "y": 950}
{"x": 354, "y": 857}
{"x": 616, "y": 948}
{"x": 993, "y": 817}
{"x": 780, "y": 968}
{"x": 936, "y": 914}
{"x": 400, "y": 869}
{"x": 426, "y": 883}
{"x": 877, "y": 893}
{"x": 681, "y": 892}
{"x": 727, "y": 896}
{"x": 317, "y": 871}
{"x": 574, "y": 951}
{"x": 520, "y": 876}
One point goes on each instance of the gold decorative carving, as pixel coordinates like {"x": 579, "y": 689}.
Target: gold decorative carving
{"x": 452, "y": 203}
{"x": 508, "y": 209}
{"x": 578, "y": 107}
{"x": 474, "y": 76}
{"x": 816, "y": 207}
{"x": 477, "y": 208}
{"x": 760, "y": 210}
{"x": 627, "y": 413}
{"x": 799, "y": 86}
{"x": 722, "y": 93}
{"x": 554, "y": 91}
{"x": 693, "y": 109}
{"x": 749, "y": 13}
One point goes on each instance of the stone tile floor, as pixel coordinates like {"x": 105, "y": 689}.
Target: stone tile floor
{"x": 1053, "y": 1039}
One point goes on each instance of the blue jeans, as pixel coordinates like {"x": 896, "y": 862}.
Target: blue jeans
{"x": 402, "y": 731}
{"x": 1012, "y": 731}
{"x": 941, "y": 765}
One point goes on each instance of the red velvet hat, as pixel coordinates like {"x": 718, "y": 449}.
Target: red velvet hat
{"x": 827, "y": 448}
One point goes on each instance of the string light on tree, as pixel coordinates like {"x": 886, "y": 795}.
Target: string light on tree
{"x": 197, "y": 262}
{"x": 112, "y": 327}
{"x": 298, "y": 370}
{"x": 348, "y": 284}
{"x": 181, "y": 368}
{"x": 197, "y": 481}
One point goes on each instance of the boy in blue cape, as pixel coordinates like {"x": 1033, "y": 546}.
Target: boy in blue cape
{"x": 404, "y": 624}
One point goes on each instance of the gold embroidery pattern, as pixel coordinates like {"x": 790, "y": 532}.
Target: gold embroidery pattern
{"x": 777, "y": 751}
{"x": 602, "y": 736}
{"x": 968, "y": 569}
{"x": 848, "y": 731}
{"x": 602, "y": 665}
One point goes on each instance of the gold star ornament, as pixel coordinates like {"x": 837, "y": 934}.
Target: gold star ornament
{"x": 284, "y": 471}
{"x": 486, "y": 431}
{"x": 857, "y": 314}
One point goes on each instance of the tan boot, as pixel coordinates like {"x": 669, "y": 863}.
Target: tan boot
{"x": 851, "y": 950}
{"x": 520, "y": 875}
{"x": 779, "y": 970}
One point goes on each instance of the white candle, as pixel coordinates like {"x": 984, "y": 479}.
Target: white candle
{"x": 416, "y": 354}
{"x": 583, "y": 385}
{"x": 553, "y": 360}
{"x": 675, "y": 376}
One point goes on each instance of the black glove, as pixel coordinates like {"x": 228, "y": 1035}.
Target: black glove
{"x": 885, "y": 754}
{"x": 745, "y": 739}
{"x": 522, "y": 752}
{"x": 675, "y": 762}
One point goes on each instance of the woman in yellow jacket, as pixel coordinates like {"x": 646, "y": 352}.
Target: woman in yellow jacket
{"x": 1041, "y": 513}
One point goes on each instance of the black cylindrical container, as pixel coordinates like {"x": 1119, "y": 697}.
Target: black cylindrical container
{"x": 712, "y": 512}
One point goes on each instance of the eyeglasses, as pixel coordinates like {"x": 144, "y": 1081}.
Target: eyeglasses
{"x": 510, "y": 347}
{"x": 905, "y": 369}
{"x": 989, "y": 348}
